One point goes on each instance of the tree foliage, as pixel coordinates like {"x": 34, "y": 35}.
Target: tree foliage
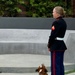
{"x": 30, "y": 8}
{"x": 43, "y": 8}
{"x": 10, "y": 7}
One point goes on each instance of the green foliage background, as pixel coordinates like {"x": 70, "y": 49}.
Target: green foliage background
{"x": 32, "y": 8}
{"x": 10, "y": 7}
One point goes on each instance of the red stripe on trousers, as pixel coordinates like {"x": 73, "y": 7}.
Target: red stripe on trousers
{"x": 54, "y": 57}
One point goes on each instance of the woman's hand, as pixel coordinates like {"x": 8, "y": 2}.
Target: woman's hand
{"x": 48, "y": 49}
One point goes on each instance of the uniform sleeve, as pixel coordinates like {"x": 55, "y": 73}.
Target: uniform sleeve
{"x": 54, "y": 32}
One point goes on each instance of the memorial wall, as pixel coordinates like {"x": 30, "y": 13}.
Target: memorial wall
{"x": 30, "y": 36}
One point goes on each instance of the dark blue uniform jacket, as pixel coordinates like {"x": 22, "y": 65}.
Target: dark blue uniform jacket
{"x": 58, "y": 29}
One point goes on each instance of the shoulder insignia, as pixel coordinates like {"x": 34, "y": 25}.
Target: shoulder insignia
{"x": 53, "y": 27}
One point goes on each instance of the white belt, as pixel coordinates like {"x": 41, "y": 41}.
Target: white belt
{"x": 59, "y": 38}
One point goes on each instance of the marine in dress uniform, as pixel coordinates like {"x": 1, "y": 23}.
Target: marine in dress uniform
{"x": 57, "y": 46}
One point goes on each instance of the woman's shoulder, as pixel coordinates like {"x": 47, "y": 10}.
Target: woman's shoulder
{"x": 55, "y": 22}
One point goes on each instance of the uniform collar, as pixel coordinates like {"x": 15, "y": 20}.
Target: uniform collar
{"x": 59, "y": 17}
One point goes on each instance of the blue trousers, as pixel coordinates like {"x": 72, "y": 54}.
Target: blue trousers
{"x": 57, "y": 59}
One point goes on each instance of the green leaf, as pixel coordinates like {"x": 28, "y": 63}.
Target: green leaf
{"x": 31, "y": 2}
{"x": 18, "y": 9}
